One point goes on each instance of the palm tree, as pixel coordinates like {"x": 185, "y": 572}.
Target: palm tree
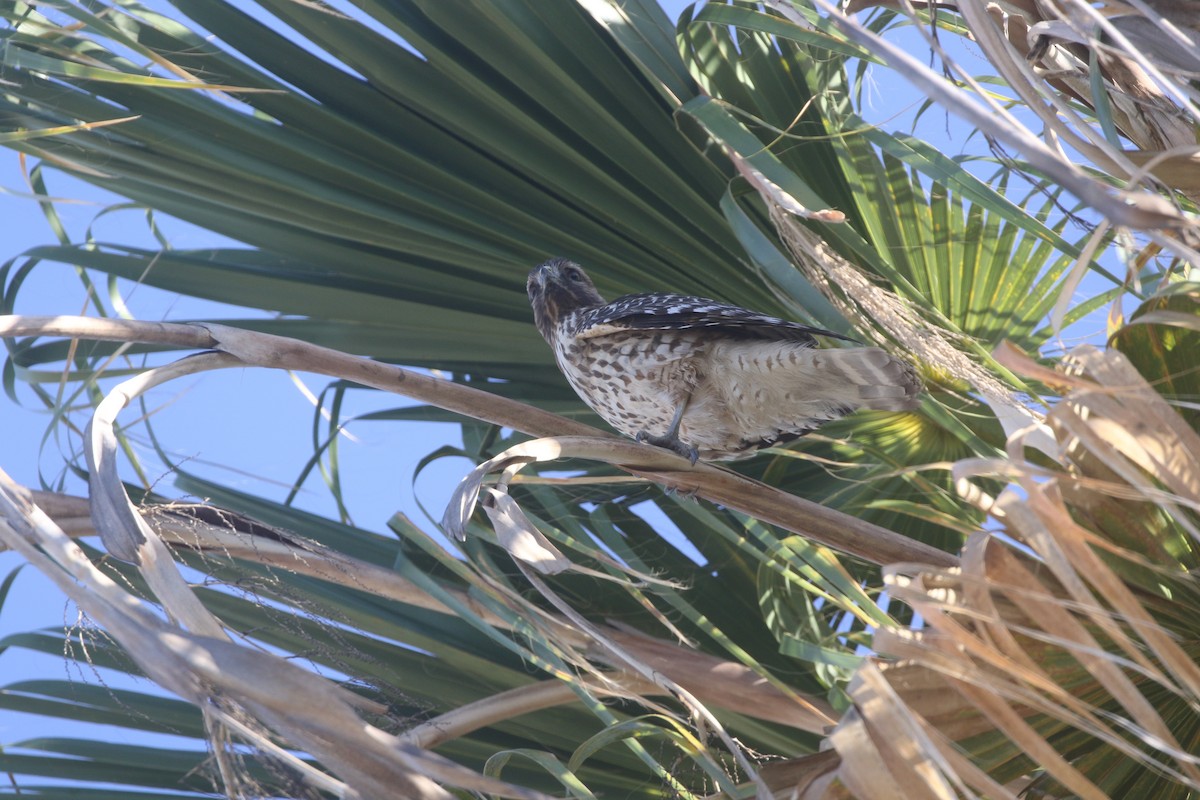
{"x": 393, "y": 170}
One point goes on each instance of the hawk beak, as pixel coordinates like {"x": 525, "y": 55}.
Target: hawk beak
{"x": 541, "y": 276}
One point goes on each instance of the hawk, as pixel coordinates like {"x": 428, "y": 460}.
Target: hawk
{"x": 702, "y": 378}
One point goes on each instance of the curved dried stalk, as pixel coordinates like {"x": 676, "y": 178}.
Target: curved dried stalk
{"x": 497, "y": 708}
{"x": 828, "y": 526}
{"x": 193, "y": 656}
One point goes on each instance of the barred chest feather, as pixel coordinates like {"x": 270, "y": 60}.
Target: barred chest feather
{"x": 633, "y": 380}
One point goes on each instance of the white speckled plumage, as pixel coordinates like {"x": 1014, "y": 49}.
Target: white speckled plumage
{"x": 744, "y": 380}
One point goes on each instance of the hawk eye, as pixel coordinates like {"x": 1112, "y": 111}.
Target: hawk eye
{"x": 574, "y": 275}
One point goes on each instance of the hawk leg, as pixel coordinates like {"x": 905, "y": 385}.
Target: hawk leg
{"x": 670, "y": 439}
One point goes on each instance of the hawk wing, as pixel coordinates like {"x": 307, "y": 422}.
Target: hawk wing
{"x": 678, "y": 312}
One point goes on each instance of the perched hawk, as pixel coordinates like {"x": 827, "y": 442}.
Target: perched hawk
{"x": 705, "y": 379}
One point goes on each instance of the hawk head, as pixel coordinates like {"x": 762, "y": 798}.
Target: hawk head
{"x": 557, "y": 288}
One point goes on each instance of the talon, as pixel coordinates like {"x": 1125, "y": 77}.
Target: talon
{"x": 671, "y": 443}
{"x": 693, "y": 455}
{"x": 670, "y": 439}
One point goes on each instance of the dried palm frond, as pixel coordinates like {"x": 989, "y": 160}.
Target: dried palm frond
{"x": 1132, "y": 65}
{"x": 1062, "y": 654}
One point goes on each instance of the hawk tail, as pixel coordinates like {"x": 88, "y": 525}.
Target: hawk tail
{"x": 875, "y": 378}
